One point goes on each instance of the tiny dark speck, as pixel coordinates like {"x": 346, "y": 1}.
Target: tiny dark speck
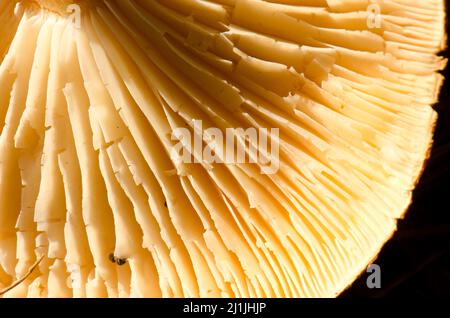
{"x": 121, "y": 261}
{"x": 112, "y": 257}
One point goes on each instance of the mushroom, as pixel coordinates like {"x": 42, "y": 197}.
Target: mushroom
{"x": 93, "y": 98}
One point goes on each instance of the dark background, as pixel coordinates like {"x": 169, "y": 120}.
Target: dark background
{"x": 416, "y": 262}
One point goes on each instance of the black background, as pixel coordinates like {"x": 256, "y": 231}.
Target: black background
{"x": 416, "y": 262}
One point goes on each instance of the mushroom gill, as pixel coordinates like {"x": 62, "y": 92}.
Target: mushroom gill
{"x": 91, "y": 93}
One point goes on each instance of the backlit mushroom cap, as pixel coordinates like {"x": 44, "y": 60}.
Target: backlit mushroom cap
{"x": 94, "y": 203}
